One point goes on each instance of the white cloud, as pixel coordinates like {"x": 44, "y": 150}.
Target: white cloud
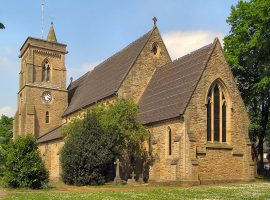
{"x": 7, "y": 110}
{"x": 180, "y": 43}
{"x": 80, "y": 70}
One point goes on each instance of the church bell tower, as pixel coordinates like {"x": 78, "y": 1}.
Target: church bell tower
{"x": 42, "y": 96}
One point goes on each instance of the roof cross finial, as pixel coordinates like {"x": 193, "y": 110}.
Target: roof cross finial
{"x": 155, "y": 21}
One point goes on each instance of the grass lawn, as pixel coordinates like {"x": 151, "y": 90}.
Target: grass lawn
{"x": 258, "y": 190}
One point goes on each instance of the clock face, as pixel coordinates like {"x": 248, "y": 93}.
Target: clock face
{"x": 47, "y": 97}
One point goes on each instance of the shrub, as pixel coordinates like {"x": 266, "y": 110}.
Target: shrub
{"x": 87, "y": 152}
{"x": 6, "y": 124}
{"x": 93, "y": 143}
{"x": 24, "y": 166}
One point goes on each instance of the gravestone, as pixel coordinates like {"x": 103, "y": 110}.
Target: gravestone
{"x": 117, "y": 178}
{"x": 132, "y": 180}
{"x": 140, "y": 180}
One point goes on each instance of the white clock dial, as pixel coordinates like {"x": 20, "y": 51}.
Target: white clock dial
{"x": 47, "y": 97}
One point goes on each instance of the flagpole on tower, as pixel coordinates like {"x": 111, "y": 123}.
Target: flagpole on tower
{"x": 42, "y": 18}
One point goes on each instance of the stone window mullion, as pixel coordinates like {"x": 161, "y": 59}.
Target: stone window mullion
{"x": 212, "y": 115}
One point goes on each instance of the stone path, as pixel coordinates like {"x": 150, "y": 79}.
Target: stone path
{"x": 2, "y": 193}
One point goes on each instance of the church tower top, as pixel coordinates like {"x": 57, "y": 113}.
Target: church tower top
{"x": 51, "y": 35}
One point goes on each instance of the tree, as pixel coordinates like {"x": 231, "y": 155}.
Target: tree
{"x": 92, "y": 144}
{"x": 247, "y": 49}
{"x": 2, "y": 26}
{"x": 120, "y": 119}
{"x": 6, "y": 124}
{"x": 87, "y": 152}
{"x": 24, "y": 166}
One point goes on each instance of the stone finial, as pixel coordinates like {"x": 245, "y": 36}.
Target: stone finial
{"x": 51, "y": 35}
{"x": 71, "y": 79}
{"x": 155, "y": 21}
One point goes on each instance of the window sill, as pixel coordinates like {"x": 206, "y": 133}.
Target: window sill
{"x": 218, "y": 146}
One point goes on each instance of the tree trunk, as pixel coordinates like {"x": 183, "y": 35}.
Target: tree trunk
{"x": 264, "y": 121}
{"x": 260, "y": 155}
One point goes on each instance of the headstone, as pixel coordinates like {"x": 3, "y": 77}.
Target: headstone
{"x": 117, "y": 179}
{"x": 140, "y": 180}
{"x": 132, "y": 180}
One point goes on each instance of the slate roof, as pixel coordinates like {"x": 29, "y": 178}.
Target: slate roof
{"x": 54, "y": 134}
{"x": 105, "y": 79}
{"x": 172, "y": 85}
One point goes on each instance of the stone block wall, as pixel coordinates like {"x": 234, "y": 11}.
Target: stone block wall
{"x": 168, "y": 167}
{"x": 55, "y": 108}
{"x": 30, "y": 116}
{"x": 50, "y": 153}
{"x": 144, "y": 68}
{"x": 225, "y": 161}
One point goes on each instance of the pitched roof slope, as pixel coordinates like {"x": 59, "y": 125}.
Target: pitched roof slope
{"x": 54, "y": 134}
{"x": 172, "y": 86}
{"x": 105, "y": 79}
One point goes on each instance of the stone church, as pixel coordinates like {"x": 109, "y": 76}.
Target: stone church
{"x": 191, "y": 106}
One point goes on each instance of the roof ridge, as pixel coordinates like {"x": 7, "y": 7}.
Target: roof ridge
{"x": 82, "y": 77}
{"x": 163, "y": 68}
{"x": 115, "y": 54}
{"x": 149, "y": 33}
{"x": 193, "y": 52}
{"x": 123, "y": 60}
{"x": 213, "y": 45}
{"x": 118, "y": 52}
{"x": 192, "y": 65}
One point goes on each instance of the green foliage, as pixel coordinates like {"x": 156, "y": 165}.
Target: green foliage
{"x": 120, "y": 120}
{"x": 247, "y": 49}
{"x": 2, "y": 26}
{"x": 86, "y": 152}
{"x": 6, "y": 124}
{"x": 93, "y": 143}
{"x": 24, "y": 166}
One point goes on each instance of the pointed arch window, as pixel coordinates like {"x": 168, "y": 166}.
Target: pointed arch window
{"x": 43, "y": 73}
{"x": 169, "y": 141}
{"x": 216, "y": 115}
{"x": 47, "y": 117}
{"x": 46, "y": 71}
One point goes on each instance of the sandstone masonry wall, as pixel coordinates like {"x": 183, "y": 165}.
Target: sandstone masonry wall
{"x": 228, "y": 161}
{"x": 144, "y": 68}
{"x": 50, "y": 154}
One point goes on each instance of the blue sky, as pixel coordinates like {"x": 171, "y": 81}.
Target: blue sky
{"x": 94, "y": 30}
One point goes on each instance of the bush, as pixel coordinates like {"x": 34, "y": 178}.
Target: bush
{"x": 24, "y": 166}
{"x": 93, "y": 143}
{"x": 87, "y": 152}
{"x": 6, "y": 124}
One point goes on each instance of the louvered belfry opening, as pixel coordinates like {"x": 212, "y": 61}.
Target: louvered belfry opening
{"x": 46, "y": 71}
